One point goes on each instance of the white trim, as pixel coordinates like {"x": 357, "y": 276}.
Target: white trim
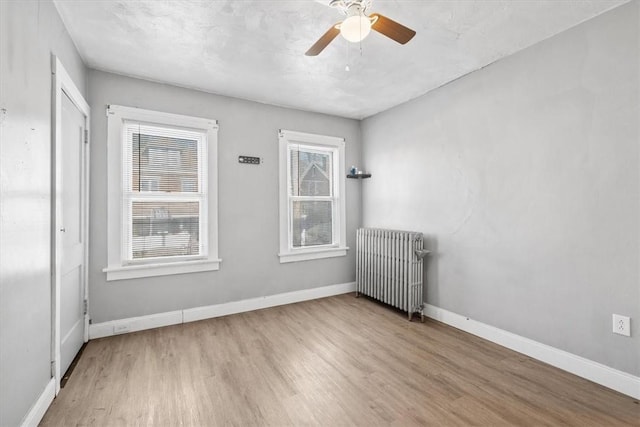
{"x": 309, "y": 254}
{"x": 39, "y": 408}
{"x": 159, "y": 117}
{"x": 133, "y": 324}
{"x": 211, "y": 311}
{"x": 311, "y": 138}
{"x": 114, "y": 327}
{"x": 287, "y": 254}
{"x": 115, "y": 269}
{"x": 165, "y": 269}
{"x": 593, "y": 371}
{"x": 62, "y": 82}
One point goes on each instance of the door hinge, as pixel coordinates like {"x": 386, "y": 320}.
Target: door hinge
{"x": 53, "y": 369}
{"x": 86, "y": 136}
{"x": 86, "y": 304}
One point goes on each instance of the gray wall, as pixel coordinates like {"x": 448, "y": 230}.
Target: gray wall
{"x": 29, "y": 32}
{"x": 524, "y": 175}
{"x": 248, "y": 203}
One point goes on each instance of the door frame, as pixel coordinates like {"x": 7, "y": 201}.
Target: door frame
{"x": 63, "y": 84}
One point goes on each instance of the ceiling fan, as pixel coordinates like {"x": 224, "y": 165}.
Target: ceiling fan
{"x": 358, "y": 25}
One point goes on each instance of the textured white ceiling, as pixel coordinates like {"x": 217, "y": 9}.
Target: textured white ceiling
{"x": 255, "y": 49}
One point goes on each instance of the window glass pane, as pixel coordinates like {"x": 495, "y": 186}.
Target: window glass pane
{"x": 163, "y": 163}
{"x": 161, "y": 229}
{"x": 150, "y": 183}
{"x": 311, "y": 172}
{"x": 312, "y": 223}
{"x": 189, "y": 185}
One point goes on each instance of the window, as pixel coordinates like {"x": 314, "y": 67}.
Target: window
{"x": 312, "y": 208}
{"x": 149, "y": 183}
{"x": 163, "y": 157}
{"x": 188, "y": 184}
{"x": 162, "y": 205}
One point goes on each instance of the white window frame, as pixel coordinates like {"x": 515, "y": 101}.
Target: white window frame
{"x": 338, "y": 247}
{"x": 171, "y": 160}
{"x": 118, "y": 268}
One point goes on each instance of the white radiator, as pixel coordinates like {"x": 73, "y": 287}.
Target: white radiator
{"x": 389, "y": 267}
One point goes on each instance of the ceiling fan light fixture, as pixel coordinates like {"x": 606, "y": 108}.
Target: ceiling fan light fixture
{"x": 355, "y": 28}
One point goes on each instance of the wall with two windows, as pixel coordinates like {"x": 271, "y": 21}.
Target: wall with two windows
{"x": 248, "y": 200}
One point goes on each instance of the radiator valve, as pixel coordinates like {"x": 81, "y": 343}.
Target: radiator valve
{"x": 421, "y": 253}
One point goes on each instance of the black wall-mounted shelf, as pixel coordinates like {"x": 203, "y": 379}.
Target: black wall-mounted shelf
{"x": 359, "y": 176}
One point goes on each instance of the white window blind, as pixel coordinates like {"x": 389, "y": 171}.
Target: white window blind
{"x": 162, "y": 217}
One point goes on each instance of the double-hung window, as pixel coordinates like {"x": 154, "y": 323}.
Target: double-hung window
{"x": 312, "y": 205}
{"x": 162, "y": 212}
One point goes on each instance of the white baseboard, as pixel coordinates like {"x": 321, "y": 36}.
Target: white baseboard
{"x": 208, "y": 312}
{"x": 39, "y": 408}
{"x": 132, "y": 324}
{"x": 585, "y": 368}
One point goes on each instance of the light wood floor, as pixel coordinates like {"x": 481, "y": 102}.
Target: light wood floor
{"x": 336, "y": 361}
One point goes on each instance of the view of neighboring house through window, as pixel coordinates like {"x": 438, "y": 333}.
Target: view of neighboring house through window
{"x": 311, "y": 196}
{"x": 163, "y": 157}
{"x": 312, "y": 202}
{"x": 188, "y": 184}
{"x": 163, "y": 218}
{"x": 149, "y": 183}
{"x": 162, "y": 214}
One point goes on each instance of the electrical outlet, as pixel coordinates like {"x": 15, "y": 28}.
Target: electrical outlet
{"x": 120, "y": 329}
{"x": 622, "y": 325}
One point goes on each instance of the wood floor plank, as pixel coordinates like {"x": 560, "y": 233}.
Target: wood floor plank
{"x": 336, "y": 361}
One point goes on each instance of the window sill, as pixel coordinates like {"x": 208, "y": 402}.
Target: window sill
{"x": 311, "y": 254}
{"x": 152, "y": 270}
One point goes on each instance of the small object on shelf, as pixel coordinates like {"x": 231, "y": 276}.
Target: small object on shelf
{"x": 353, "y": 171}
{"x": 359, "y": 175}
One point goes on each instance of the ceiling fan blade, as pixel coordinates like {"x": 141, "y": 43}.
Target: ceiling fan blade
{"x": 392, "y": 29}
{"x": 323, "y": 41}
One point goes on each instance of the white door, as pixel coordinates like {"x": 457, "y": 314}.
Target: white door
{"x": 72, "y": 232}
